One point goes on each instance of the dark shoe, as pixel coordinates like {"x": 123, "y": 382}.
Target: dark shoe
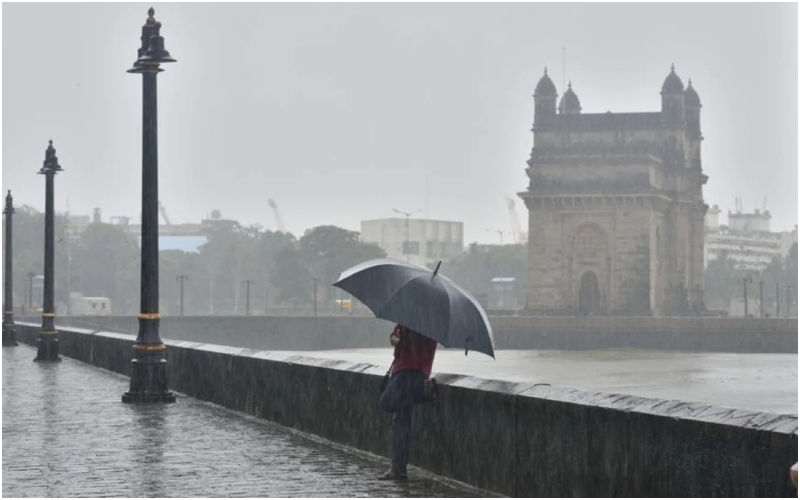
{"x": 390, "y": 475}
{"x": 431, "y": 390}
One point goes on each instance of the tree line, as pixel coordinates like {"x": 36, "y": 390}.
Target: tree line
{"x": 284, "y": 274}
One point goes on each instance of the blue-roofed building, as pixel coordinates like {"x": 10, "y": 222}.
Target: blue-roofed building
{"x": 188, "y": 243}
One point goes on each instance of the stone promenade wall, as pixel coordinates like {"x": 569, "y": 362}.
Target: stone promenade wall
{"x": 516, "y": 439}
{"x": 511, "y": 332}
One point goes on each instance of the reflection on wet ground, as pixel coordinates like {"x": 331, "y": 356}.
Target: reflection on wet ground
{"x": 67, "y": 434}
{"x": 762, "y": 382}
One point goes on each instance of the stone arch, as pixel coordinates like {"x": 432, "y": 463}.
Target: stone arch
{"x": 590, "y": 300}
{"x": 590, "y": 268}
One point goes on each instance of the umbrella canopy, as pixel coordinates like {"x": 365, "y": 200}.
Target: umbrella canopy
{"x": 422, "y": 300}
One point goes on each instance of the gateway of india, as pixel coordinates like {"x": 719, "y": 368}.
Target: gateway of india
{"x": 616, "y": 206}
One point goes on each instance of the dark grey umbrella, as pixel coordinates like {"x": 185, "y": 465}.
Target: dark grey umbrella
{"x": 422, "y": 300}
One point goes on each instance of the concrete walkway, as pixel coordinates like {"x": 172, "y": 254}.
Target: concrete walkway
{"x": 66, "y": 434}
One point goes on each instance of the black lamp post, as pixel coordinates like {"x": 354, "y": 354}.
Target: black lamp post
{"x": 8, "y": 297}
{"x": 745, "y": 281}
{"x": 407, "y": 243}
{"x": 47, "y": 347}
{"x": 149, "y": 364}
{"x": 181, "y": 278}
{"x": 247, "y": 284}
{"x": 315, "y": 295}
{"x": 30, "y": 276}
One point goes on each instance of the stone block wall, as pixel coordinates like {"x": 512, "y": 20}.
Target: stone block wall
{"x": 517, "y": 439}
{"x": 511, "y": 332}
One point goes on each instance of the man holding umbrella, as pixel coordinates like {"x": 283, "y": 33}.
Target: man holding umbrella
{"x": 409, "y": 384}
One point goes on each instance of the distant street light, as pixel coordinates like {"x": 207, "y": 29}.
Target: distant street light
{"x": 181, "y": 278}
{"x": 407, "y": 242}
{"x": 315, "y": 295}
{"x": 210, "y": 292}
{"x": 745, "y": 281}
{"x": 9, "y": 336}
{"x": 69, "y": 267}
{"x": 247, "y": 284}
{"x": 47, "y": 346}
{"x": 30, "y": 276}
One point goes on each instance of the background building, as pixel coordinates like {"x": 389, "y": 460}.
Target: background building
{"x": 423, "y": 242}
{"x": 746, "y": 240}
{"x": 615, "y": 206}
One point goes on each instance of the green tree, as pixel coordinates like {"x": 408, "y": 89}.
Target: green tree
{"x": 102, "y": 258}
{"x": 328, "y": 250}
{"x": 292, "y": 278}
{"x": 720, "y": 280}
{"x": 474, "y": 269}
{"x": 232, "y": 255}
{"x": 28, "y": 254}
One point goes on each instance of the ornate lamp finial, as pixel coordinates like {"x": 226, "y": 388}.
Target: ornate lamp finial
{"x": 50, "y": 160}
{"x": 9, "y": 204}
{"x": 152, "y": 52}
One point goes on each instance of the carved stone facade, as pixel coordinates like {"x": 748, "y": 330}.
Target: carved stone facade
{"x": 615, "y": 206}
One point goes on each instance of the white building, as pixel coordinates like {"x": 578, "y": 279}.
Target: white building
{"x": 423, "y": 242}
{"x": 747, "y": 239}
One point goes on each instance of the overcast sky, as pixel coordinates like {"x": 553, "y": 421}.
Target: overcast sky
{"x": 343, "y": 112}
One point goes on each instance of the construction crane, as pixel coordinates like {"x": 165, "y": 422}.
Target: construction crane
{"x": 163, "y": 213}
{"x": 520, "y": 236}
{"x": 278, "y": 219}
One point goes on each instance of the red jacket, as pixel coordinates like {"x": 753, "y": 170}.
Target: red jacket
{"x": 414, "y": 351}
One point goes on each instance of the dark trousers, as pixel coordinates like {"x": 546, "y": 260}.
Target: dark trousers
{"x": 405, "y": 389}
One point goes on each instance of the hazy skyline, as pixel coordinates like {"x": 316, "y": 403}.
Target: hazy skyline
{"x": 342, "y": 112}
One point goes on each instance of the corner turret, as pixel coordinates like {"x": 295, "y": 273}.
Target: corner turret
{"x": 544, "y": 98}
{"x": 672, "y": 99}
{"x": 570, "y": 104}
{"x": 693, "y": 133}
{"x": 692, "y": 113}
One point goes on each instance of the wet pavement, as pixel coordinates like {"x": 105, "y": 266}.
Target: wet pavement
{"x": 66, "y": 434}
{"x": 760, "y": 382}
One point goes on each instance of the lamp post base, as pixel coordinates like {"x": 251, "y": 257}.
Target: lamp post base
{"x": 148, "y": 380}
{"x": 9, "y": 336}
{"x": 47, "y": 348}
